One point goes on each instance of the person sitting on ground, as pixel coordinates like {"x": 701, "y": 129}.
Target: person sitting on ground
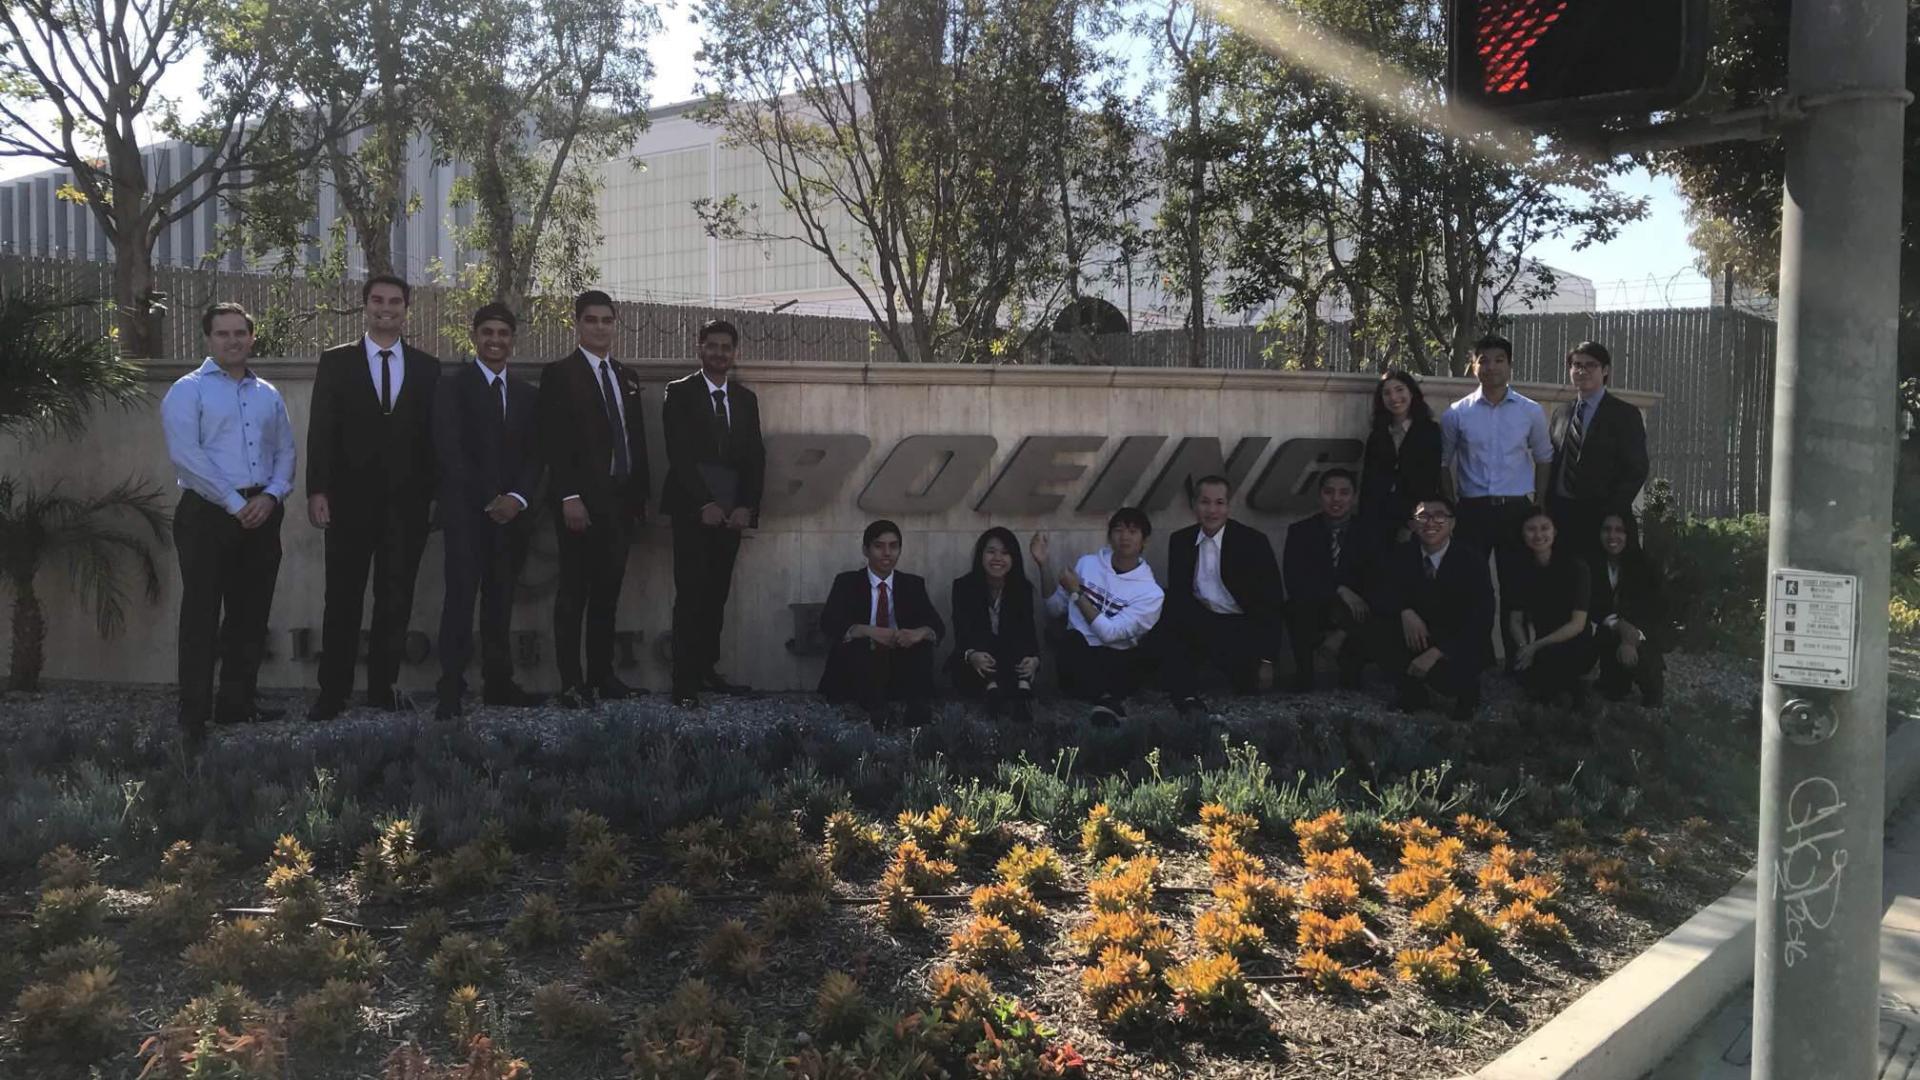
{"x": 883, "y": 629}
{"x": 1224, "y": 602}
{"x": 996, "y": 646}
{"x": 1111, "y": 601}
{"x": 1328, "y": 558}
{"x": 1629, "y": 616}
{"x": 1402, "y": 457}
{"x": 1547, "y": 614}
{"x": 1433, "y": 613}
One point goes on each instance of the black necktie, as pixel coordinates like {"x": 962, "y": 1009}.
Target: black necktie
{"x": 621, "y": 466}
{"x": 1576, "y": 441}
{"x": 1426, "y": 564}
{"x": 720, "y": 426}
{"x": 500, "y": 384}
{"x": 1334, "y": 551}
{"x": 386, "y": 380}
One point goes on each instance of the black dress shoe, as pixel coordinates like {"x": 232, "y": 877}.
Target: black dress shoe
{"x": 578, "y": 696}
{"x": 325, "y": 709}
{"x": 717, "y": 683}
{"x": 449, "y": 708}
{"x": 612, "y": 689}
{"x": 391, "y": 700}
{"x": 1103, "y": 715}
{"x": 686, "y": 701}
{"x": 1191, "y": 708}
{"x": 251, "y": 714}
{"x": 511, "y": 696}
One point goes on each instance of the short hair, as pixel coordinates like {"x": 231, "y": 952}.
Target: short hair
{"x": 224, "y": 307}
{"x": 592, "y": 298}
{"x": 1340, "y": 474}
{"x": 878, "y": 529}
{"x": 406, "y": 290}
{"x": 495, "y": 312}
{"x": 1490, "y": 342}
{"x": 1134, "y": 516}
{"x": 1594, "y": 349}
{"x": 1452, "y": 510}
{"x": 718, "y": 326}
{"x": 1193, "y": 494}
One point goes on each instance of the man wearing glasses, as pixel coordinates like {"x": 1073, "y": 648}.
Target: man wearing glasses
{"x": 1433, "y": 614}
{"x": 1599, "y": 454}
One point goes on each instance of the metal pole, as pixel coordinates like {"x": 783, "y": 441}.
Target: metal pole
{"x": 1822, "y": 785}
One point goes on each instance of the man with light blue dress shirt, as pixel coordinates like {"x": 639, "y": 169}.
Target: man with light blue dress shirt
{"x": 1494, "y": 451}
{"x": 231, "y": 443}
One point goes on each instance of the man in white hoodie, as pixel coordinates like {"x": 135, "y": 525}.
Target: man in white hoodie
{"x": 1110, "y": 600}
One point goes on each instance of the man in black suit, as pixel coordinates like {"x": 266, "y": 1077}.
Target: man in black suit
{"x": 1433, "y": 613}
{"x": 370, "y": 477}
{"x": 596, "y": 451}
{"x": 715, "y": 468}
{"x": 1224, "y": 602}
{"x": 884, "y": 630}
{"x": 1328, "y": 561}
{"x": 486, "y": 434}
{"x": 1599, "y": 453}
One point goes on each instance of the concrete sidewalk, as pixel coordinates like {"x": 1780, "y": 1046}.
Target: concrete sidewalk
{"x": 1721, "y": 1048}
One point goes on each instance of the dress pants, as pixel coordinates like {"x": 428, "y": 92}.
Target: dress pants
{"x": 1093, "y": 672}
{"x": 385, "y": 533}
{"x": 860, "y": 673}
{"x": 486, "y": 558}
{"x": 703, "y": 558}
{"x": 593, "y": 563}
{"x": 1309, "y": 622}
{"x": 970, "y": 683}
{"x": 1229, "y": 643}
{"x": 1558, "y": 668}
{"x": 1650, "y": 674}
{"x": 227, "y": 576}
{"x": 1460, "y": 681}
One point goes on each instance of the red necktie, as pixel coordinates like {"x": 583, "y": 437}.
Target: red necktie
{"x": 883, "y": 614}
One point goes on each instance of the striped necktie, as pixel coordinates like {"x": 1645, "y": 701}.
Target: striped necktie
{"x": 1576, "y": 438}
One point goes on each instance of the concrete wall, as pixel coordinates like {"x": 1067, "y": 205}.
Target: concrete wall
{"x": 792, "y": 557}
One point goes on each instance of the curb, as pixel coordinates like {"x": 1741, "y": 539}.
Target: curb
{"x": 1633, "y": 1020}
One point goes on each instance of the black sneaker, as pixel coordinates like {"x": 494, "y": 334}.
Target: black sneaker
{"x": 1104, "y": 715}
{"x": 1191, "y": 708}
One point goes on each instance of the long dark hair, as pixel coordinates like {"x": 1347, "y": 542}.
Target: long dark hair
{"x": 1017, "y": 573}
{"x": 1418, "y": 412}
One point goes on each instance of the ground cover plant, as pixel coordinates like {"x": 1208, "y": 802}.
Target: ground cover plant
{"x": 1292, "y": 892}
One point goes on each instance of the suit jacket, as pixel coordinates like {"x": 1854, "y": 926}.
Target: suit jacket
{"x": 973, "y": 629}
{"x": 1457, "y": 604}
{"x": 693, "y": 440}
{"x": 1247, "y": 568}
{"x": 483, "y": 455}
{"x": 1613, "y": 455}
{"x": 1393, "y": 479}
{"x": 1311, "y": 576}
{"x": 577, "y": 440}
{"x": 1639, "y": 598}
{"x": 353, "y": 446}
{"x": 850, "y": 603}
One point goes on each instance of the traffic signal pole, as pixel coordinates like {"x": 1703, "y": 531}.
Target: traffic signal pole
{"x": 1822, "y": 781}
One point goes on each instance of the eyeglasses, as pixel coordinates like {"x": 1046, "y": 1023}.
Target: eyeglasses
{"x": 1585, "y": 365}
{"x": 1428, "y": 517}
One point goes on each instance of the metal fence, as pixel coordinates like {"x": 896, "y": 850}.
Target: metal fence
{"x": 1710, "y": 436}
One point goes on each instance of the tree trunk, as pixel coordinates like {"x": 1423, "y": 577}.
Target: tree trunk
{"x": 1196, "y": 199}
{"x": 133, "y": 296}
{"x": 29, "y": 637}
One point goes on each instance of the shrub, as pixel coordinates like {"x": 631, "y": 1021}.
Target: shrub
{"x": 565, "y": 1013}
{"x": 1480, "y": 832}
{"x": 1209, "y": 993}
{"x": 67, "y": 914}
{"x": 703, "y": 866}
{"x": 940, "y": 829}
{"x": 1328, "y": 975}
{"x": 65, "y": 868}
{"x": 1217, "y": 820}
{"x": 986, "y": 940}
{"x": 1123, "y": 884}
{"x": 175, "y": 912}
{"x": 1414, "y": 830}
{"x": 464, "y": 958}
{"x": 585, "y": 829}
{"x": 1011, "y": 904}
{"x": 298, "y": 904}
{"x": 1139, "y": 932}
{"x": 1317, "y": 932}
{"x": 1228, "y": 861}
{"x": 1449, "y": 966}
{"x": 353, "y": 957}
{"x": 80, "y": 1015}
{"x": 467, "y": 869}
{"x": 235, "y": 952}
{"x": 1441, "y": 856}
{"x": 424, "y": 931}
{"x": 606, "y": 957}
{"x": 1330, "y": 893}
{"x": 950, "y": 987}
{"x": 796, "y": 914}
{"x": 664, "y": 912}
{"x": 465, "y": 1015}
{"x": 331, "y": 1014}
{"x": 1221, "y": 930}
{"x": 732, "y": 950}
{"x": 1449, "y": 913}
{"x": 840, "y": 1011}
{"x": 1715, "y": 569}
{"x": 898, "y": 909}
{"x": 539, "y": 922}
{"x": 480, "y": 1061}
{"x": 1524, "y": 920}
{"x": 803, "y": 874}
{"x": 82, "y": 955}
{"x": 920, "y": 874}
{"x": 389, "y": 867}
{"x": 1324, "y": 833}
{"x": 851, "y": 841}
{"x": 1415, "y": 885}
{"x": 1103, "y": 835}
{"x": 1341, "y": 863}
{"x": 1260, "y": 900}
{"x": 694, "y": 1003}
{"x": 1122, "y": 989}
{"x": 1031, "y": 868}
{"x": 598, "y": 867}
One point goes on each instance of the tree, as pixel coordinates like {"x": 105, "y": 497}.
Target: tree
{"x": 37, "y": 527}
{"x": 1197, "y": 211}
{"x": 55, "y": 365}
{"x": 544, "y": 88}
{"x": 79, "y": 81}
{"x": 922, "y": 151}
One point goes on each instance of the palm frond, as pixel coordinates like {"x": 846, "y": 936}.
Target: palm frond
{"x": 41, "y": 524}
{"x": 56, "y": 364}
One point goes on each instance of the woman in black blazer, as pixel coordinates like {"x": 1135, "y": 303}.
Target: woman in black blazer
{"x": 1629, "y": 616}
{"x": 1402, "y": 463}
{"x": 1548, "y": 596}
{"x": 996, "y": 645}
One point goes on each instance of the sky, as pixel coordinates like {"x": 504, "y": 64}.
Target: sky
{"x": 1648, "y": 265}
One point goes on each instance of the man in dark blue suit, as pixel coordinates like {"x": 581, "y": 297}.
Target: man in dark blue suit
{"x": 1433, "y": 613}
{"x": 1224, "y": 602}
{"x": 486, "y": 438}
{"x": 882, "y": 630}
{"x": 1327, "y": 562}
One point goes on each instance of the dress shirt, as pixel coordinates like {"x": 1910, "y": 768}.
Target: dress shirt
{"x": 396, "y": 363}
{"x": 1583, "y": 407}
{"x": 874, "y": 581}
{"x": 1207, "y": 586}
{"x": 1435, "y": 558}
{"x": 493, "y": 387}
{"x": 224, "y": 434}
{"x": 1613, "y": 582}
{"x": 1493, "y": 448}
{"x": 714, "y": 388}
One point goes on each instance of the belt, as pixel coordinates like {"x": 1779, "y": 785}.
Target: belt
{"x": 1495, "y": 500}
{"x": 250, "y": 492}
